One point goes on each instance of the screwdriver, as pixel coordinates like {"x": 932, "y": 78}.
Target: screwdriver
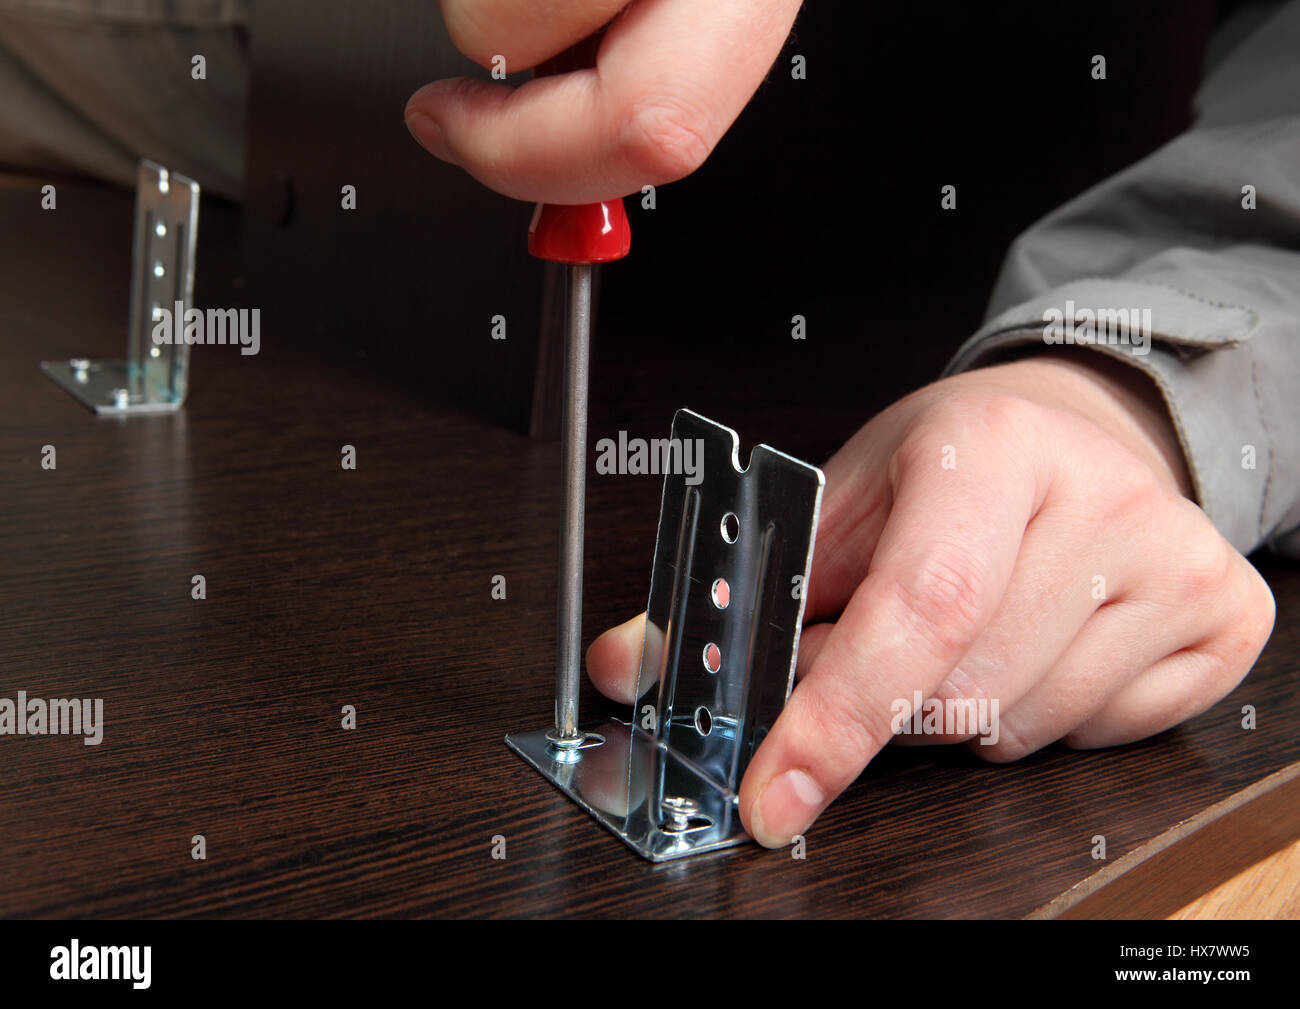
{"x": 579, "y": 237}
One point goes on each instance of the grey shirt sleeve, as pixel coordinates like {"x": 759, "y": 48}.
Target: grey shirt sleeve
{"x": 92, "y": 86}
{"x": 1196, "y": 249}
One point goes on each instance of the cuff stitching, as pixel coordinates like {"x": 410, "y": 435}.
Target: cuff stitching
{"x": 1268, "y": 445}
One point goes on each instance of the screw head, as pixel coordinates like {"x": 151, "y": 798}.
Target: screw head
{"x": 565, "y": 742}
{"x": 678, "y": 810}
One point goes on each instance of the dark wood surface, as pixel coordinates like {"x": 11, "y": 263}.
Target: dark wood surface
{"x": 373, "y": 588}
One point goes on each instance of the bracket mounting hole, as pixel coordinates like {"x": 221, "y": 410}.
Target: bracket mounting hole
{"x": 730, "y": 527}
{"x": 712, "y": 657}
{"x": 721, "y": 593}
{"x": 703, "y": 721}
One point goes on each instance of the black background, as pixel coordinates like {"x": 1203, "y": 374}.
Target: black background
{"x": 823, "y": 200}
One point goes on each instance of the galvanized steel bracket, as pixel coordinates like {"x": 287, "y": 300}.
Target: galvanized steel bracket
{"x": 732, "y": 561}
{"x": 153, "y": 378}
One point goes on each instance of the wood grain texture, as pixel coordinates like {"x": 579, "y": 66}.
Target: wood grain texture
{"x": 1192, "y": 857}
{"x": 372, "y": 588}
{"x": 1269, "y": 889}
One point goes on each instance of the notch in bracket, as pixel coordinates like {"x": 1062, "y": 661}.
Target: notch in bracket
{"x": 152, "y": 379}
{"x": 732, "y": 561}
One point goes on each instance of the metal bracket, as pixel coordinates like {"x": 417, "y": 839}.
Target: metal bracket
{"x": 152, "y": 379}
{"x": 732, "y": 561}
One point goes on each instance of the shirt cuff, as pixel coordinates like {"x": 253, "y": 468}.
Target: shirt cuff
{"x": 1199, "y": 355}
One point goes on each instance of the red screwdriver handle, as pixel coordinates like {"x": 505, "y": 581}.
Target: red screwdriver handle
{"x": 591, "y": 232}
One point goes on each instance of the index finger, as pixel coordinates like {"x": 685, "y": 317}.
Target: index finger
{"x": 940, "y": 569}
{"x": 670, "y": 78}
{"x": 523, "y": 32}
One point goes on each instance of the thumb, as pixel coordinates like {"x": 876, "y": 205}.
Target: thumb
{"x": 614, "y": 659}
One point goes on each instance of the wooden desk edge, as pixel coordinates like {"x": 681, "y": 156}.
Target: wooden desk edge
{"x": 1189, "y": 859}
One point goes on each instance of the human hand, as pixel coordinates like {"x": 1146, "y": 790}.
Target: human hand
{"x": 671, "y": 76}
{"x": 965, "y": 534}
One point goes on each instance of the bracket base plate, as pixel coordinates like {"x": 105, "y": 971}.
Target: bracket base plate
{"x": 107, "y": 387}
{"x": 623, "y": 782}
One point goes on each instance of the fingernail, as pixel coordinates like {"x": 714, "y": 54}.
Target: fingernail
{"x": 787, "y": 807}
{"x": 429, "y": 135}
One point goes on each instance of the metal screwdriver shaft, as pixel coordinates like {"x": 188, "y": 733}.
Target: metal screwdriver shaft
{"x": 578, "y": 236}
{"x": 569, "y": 642}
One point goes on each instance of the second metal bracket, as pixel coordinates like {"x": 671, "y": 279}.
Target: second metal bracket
{"x": 152, "y": 378}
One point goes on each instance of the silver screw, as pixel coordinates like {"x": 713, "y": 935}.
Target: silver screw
{"x": 561, "y": 742}
{"x": 121, "y": 398}
{"x": 679, "y": 810}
